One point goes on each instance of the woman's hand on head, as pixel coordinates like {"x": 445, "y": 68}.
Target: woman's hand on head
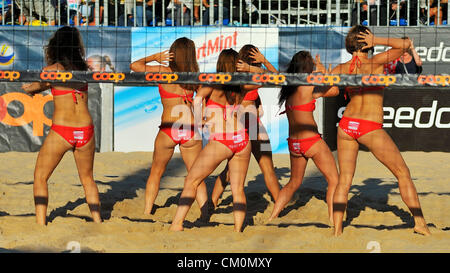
{"x": 164, "y": 57}
{"x": 366, "y": 37}
{"x": 257, "y": 56}
{"x": 412, "y": 44}
{"x": 320, "y": 68}
{"x": 242, "y": 66}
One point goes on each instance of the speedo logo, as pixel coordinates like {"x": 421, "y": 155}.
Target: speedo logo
{"x": 439, "y": 53}
{"x": 408, "y": 117}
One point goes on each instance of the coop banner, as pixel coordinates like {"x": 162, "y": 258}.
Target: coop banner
{"x": 137, "y": 110}
{"x": 25, "y": 120}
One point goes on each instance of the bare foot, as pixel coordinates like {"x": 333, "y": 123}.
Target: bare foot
{"x": 215, "y": 203}
{"x": 268, "y": 221}
{"x": 148, "y": 210}
{"x": 331, "y": 221}
{"x": 422, "y": 230}
{"x": 176, "y": 227}
{"x": 337, "y": 232}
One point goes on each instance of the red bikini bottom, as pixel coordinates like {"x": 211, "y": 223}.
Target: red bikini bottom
{"x": 179, "y": 135}
{"x": 301, "y": 146}
{"x": 235, "y": 141}
{"x": 358, "y": 127}
{"x": 76, "y": 136}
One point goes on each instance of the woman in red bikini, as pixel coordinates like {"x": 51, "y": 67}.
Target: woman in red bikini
{"x": 362, "y": 123}
{"x": 175, "y": 129}
{"x": 304, "y": 140}
{"x": 72, "y": 127}
{"x": 228, "y": 140}
{"x": 251, "y": 57}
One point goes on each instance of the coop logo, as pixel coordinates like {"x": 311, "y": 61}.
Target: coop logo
{"x": 9, "y": 75}
{"x": 432, "y": 79}
{"x": 330, "y": 80}
{"x": 60, "y": 76}
{"x": 222, "y": 78}
{"x": 33, "y": 111}
{"x": 157, "y": 77}
{"x": 6, "y": 55}
{"x": 265, "y": 78}
{"x": 115, "y": 77}
{"x": 408, "y": 117}
{"x": 379, "y": 80}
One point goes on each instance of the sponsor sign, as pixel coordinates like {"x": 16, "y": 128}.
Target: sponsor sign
{"x": 417, "y": 120}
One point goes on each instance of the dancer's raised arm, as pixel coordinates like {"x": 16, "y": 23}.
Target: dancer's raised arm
{"x": 260, "y": 58}
{"x": 37, "y": 87}
{"x": 162, "y": 58}
{"x": 398, "y": 46}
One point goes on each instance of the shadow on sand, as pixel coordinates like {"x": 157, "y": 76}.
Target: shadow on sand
{"x": 373, "y": 193}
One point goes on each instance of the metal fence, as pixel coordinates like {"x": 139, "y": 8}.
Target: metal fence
{"x": 224, "y": 12}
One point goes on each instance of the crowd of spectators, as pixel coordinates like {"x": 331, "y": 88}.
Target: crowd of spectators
{"x": 119, "y": 12}
{"x": 398, "y": 12}
{"x": 186, "y": 12}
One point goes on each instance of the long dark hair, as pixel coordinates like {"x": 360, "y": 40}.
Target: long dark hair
{"x": 185, "y": 59}
{"x": 227, "y": 63}
{"x": 301, "y": 62}
{"x": 66, "y": 47}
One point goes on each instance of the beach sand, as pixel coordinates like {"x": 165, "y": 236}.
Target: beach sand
{"x": 375, "y": 212}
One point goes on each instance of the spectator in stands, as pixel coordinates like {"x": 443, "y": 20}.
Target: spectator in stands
{"x": 409, "y": 62}
{"x": 73, "y": 6}
{"x": 408, "y": 12}
{"x": 197, "y": 7}
{"x": 364, "y": 12}
{"x": 226, "y": 10}
{"x": 88, "y": 12}
{"x": 42, "y": 10}
{"x": 125, "y": 8}
{"x": 443, "y": 11}
{"x": 380, "y": 8}
{"x": 140, "y": 12}
{"x": 181, "y": 7}
{"x": 394, "y": 8}
{"x": 5, "y": 14}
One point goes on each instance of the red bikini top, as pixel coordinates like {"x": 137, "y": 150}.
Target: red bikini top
{"x": 356, "y": 62}
{"x": 57, "y": 92}
{"x": 307, "y": 107}
{"x": 168, "y": 95}
{"x": 251, "y": 95}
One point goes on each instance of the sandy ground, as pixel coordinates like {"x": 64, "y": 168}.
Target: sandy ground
{"x": 376, "y": 212}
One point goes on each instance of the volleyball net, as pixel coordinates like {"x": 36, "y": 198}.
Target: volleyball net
{"x": 268, "y": 79}
{"x": 125, "y": 104}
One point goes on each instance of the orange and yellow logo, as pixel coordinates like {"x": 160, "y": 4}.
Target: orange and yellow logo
{"x": 326, "y": 79}
{"x": 33, "y": 111}
{"x": 266, "y": 78}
